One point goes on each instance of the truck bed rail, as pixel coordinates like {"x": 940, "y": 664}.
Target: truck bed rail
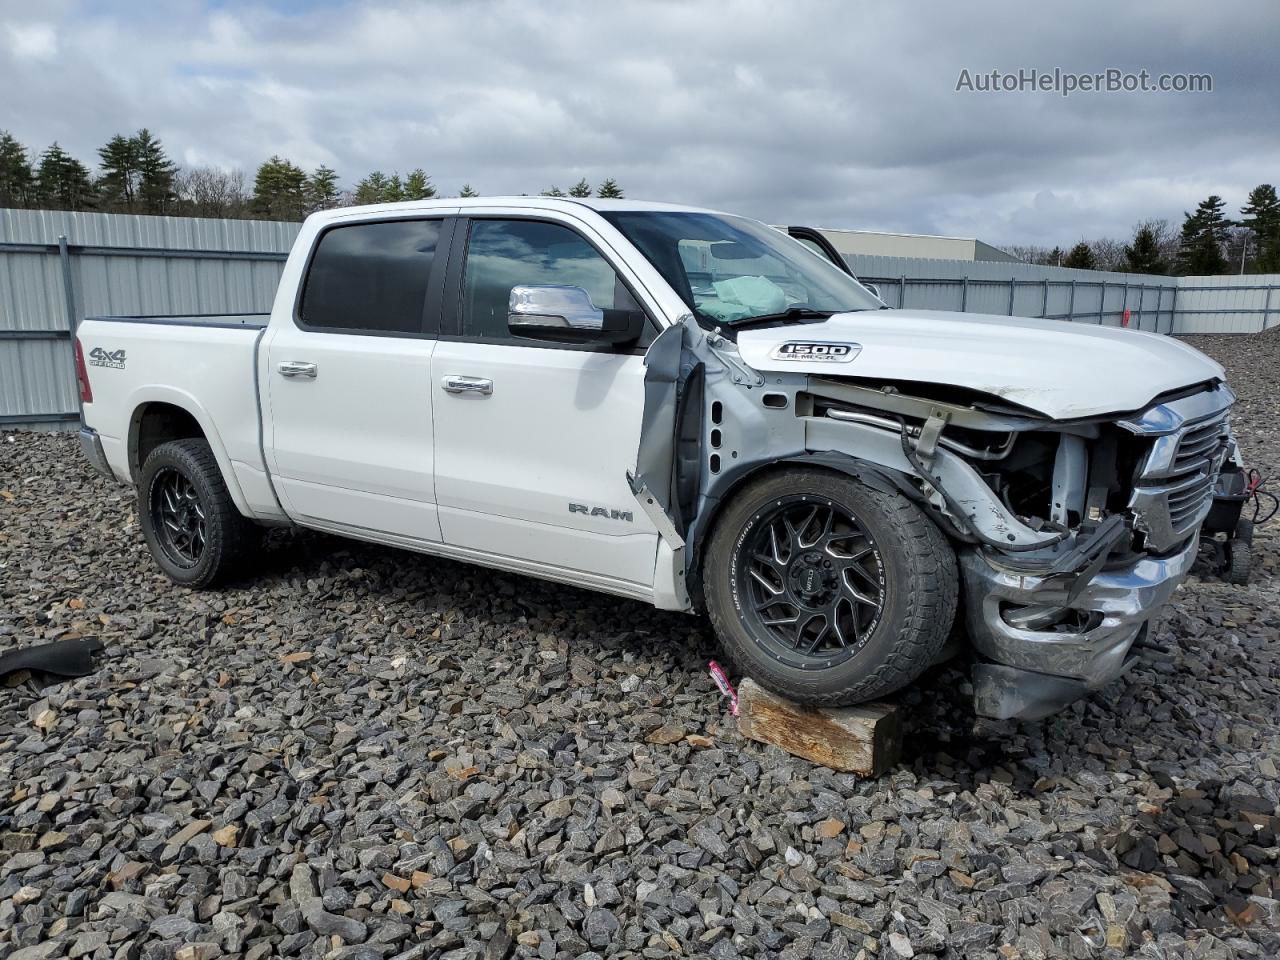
{"x": 232, "y": 320}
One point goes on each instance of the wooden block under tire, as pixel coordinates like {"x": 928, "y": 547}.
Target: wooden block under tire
{"x": 866, "y": 739}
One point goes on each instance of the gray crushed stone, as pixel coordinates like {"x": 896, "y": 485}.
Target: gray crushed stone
{"x": 363, "y": 753}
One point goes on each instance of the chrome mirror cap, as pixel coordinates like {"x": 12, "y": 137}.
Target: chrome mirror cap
{"x": 553, "y": 305}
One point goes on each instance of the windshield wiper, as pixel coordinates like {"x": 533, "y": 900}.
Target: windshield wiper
{"x": 790, "y": 315}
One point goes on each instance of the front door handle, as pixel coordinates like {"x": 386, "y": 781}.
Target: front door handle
{"x": 295, "y": 369}
{"x": 454, "y": 384}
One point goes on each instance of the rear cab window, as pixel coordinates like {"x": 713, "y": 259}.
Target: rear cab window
{"x": 370, "y": 278}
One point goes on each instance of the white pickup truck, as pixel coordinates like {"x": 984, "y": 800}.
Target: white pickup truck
{"x": 690, "y": 409}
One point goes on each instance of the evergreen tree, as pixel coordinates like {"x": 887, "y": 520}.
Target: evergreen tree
{"x": 580, "y": 189}
{"x": 322, "y": 189}
{"x": 280, "y": 190}
{"x": 610, "y": 189}
{"x": 62, "y": 181}
{"x": 1200, "y": 250}
{"x": 137, "y": 175}
{"x": 553, "y": 191}
{"x": 1080, "y": 257}
{"x": 17, "y": 179}
{"x": 156, "y": 173}
{"x": 119, "y": 184}
{"x": 377, "y": 187}
{"x": 1055, "y": 257}
{"x": 417, "y": 186}
{"x": 467, "y": 191}
{"x": 1262, "y": 216}
{"x": 1143, "y": 254}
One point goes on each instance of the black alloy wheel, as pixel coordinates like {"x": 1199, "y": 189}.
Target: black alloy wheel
{"x": 178, "y": 517}
{"x": 814, "y": 582}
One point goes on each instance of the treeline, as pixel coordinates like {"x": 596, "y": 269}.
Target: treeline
{"x": 134, "y": 174}
{"x": 1209, "y": 243}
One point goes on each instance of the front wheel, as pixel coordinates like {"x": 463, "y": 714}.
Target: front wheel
{"x": 191, "y": 525}
{"x": 826, "y": 591}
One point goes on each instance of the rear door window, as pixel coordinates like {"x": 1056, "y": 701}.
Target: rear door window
{"x": 371, "y": 278}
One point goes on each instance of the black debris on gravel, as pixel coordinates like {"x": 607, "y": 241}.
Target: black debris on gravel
{"x": 361, "y": 752}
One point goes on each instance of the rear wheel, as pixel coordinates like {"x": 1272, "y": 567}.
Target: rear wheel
{"x": 827, "y": 591}
{"x": 191, "y": 525}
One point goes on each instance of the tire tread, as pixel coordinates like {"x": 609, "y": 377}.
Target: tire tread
{"x": 932, "y": 598}
{"x": 236, "y": 536}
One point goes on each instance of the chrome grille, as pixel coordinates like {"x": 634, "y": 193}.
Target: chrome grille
{"x": 1174, "y": 490}
{"x": 1198, "y": 443}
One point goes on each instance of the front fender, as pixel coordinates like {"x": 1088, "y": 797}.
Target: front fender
{"x": 752, "y": 421}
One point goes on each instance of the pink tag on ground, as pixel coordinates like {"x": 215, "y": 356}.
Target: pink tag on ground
{"x": 726, "y": 688}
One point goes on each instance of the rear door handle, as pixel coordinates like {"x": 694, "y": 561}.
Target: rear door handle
{"x": 454, "y": 384}
{"x": 296, "y": 369}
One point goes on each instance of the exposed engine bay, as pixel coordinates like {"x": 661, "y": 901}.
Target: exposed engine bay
{"x": 1071, "y": 533}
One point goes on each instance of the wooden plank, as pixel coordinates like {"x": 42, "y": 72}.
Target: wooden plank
{"x": 866, "y": 739}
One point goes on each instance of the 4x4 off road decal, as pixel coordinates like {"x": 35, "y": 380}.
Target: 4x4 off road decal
{"x": 98, "y": 357}
{"x": 821, "y": 352}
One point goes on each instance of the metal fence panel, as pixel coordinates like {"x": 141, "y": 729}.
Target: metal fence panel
{"x": 145, "y": 232}
{"x": 115, "y": 264}
{"x": 1246, "y": 303}
{"x": 31, "y": 291}
{"x": 1180, "y": 305}
{"x": 36, "y": 379}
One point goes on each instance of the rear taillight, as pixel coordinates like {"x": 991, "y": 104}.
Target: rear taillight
{"x": 82, "y": 375}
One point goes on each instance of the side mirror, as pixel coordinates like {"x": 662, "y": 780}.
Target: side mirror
{"x": 565, "y": 314}
{"x": 875, "y": 291}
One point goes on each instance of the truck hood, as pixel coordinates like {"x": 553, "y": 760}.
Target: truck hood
{"x": 1058, "y": 369}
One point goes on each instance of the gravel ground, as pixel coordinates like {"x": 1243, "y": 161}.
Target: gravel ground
{"x": 367, "y": 753}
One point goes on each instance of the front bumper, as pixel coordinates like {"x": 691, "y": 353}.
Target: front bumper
{"x": 1032, "y": 673}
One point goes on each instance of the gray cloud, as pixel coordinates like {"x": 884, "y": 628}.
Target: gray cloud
{"x": 820, "y": 112}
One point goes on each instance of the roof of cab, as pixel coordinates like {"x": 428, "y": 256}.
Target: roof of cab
{"x": 568, "y": 204}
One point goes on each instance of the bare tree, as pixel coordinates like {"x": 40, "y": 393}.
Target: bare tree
{"x": 212, "y": 192}
{"x": 1030, "y": 253}
{"x": 1241, "y": 249}
{"x": 1167, "y": 238}
{"x": 1108, "y": 253}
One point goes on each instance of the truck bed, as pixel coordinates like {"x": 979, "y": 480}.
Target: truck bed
{"x": 206, "y": 365}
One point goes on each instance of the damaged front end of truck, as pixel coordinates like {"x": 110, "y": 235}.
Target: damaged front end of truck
{"x": 1070, "y": 533}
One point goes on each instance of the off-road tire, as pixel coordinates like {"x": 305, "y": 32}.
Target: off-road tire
{"x": 229, "y": 538}
{"x": 921, "y": 585}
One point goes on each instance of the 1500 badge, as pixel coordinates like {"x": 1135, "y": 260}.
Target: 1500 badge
{"x": 819, "y": 351}
{"x": 98, "y": 357}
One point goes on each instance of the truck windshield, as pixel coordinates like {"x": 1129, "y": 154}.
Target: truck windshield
{"x": 734, "y": 271}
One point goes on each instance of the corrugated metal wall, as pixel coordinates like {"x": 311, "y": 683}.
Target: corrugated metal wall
{"x": 114, "y": 264}
{"x": 118, "y": 264}
{"x": 1242, "y": 304}
{"x": 1234, "y": 304}
{"x": 1023, "y": 290}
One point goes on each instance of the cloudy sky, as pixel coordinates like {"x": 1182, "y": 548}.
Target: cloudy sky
{"x": 832, "y": 113}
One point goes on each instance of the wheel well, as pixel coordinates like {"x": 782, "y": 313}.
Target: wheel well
{"x": 706, "y": 525}
{"x": 154, "y": 424}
